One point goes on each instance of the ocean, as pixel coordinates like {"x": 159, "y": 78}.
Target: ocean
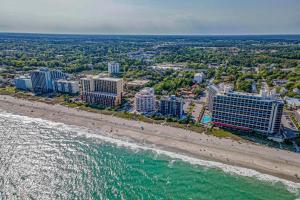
{"x": 45, "y": 160}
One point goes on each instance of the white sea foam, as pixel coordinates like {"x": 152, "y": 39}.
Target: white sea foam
{"x": 81, "y": 131}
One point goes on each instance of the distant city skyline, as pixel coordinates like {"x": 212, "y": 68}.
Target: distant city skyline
{"x": 205, "y": 17}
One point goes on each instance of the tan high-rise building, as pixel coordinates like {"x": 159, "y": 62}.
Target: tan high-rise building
{"x": 109, "y": 85}
{"x": 87, "y": 84}
{"x": 102, "y": 91}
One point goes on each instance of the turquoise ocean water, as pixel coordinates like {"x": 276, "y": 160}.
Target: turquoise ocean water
{"x": 44, "y": 160}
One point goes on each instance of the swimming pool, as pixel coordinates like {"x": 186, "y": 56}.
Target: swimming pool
{"x": 206, "y": 119}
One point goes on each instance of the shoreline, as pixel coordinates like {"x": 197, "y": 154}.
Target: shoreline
{"x": 279, "y": 163}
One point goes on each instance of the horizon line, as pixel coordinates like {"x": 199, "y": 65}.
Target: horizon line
{"x": 135, "y": 34}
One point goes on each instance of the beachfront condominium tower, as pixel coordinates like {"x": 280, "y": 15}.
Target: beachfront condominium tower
{"x": 42, "y": 79}
{"x": 106, "y": 92}
{"x": 250, "y": 112}
{"x": 212, "y": 92}
{"x": 145, "y": 101}
{"x": 113, "y": 68}
{"x": 171, "y": 106}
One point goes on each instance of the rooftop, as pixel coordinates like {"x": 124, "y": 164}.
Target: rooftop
{"x": 22, "y": 77}
{"x": 199, "y": 74}
{"x": 113, "y": 63}
{"x": 146, "y": 91}
{"x": 101, "y": 78}
{"x": 137, "y": 82}
{"x": 66, "y": 81}
{"x": 294, "y": 101}
{"x": 108, "y": 78}
{"x": 264, "y": 95}
{"x": 171, "y": 98}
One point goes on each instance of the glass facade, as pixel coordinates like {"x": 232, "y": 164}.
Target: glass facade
{"x": 171, "y": 106}
{"x": 42, "y": 79}
{"x": 247, "y": 112}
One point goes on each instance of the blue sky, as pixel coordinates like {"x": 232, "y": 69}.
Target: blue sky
{"x": 151, "y": 16}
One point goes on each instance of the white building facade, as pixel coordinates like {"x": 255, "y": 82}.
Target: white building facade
{"x": 145, "y": 101}
{"x": 65, "y": 86}
{"x": 198, "y": 78}
{"x": 113, "y": 68}
{"x": 23, "y": 83}
{"x": 248, "y": 112}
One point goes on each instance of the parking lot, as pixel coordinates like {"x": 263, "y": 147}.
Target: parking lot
{"x": 194, "y": 109}
{"x": 287, "y": 122}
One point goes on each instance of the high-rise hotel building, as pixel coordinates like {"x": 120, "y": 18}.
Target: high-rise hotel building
{"x": 42, "y": 79}
{"x": 145, "y": 101}
{"x": 171, "y": 106}
{"x": 261, "y": 113}
{"x": 106, "y": 92}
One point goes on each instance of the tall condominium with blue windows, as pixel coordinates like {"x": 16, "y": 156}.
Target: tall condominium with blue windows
{"x": 42, "y": 79}
{"x": 171, "y": 106}
{"x": 249, "y": 112}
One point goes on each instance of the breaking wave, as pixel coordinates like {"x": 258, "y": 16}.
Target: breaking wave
{"x": 81, "y": 131}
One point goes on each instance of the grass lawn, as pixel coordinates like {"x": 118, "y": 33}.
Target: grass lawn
{"x": 222, "y": 133}
{"x": 8, "y": 91}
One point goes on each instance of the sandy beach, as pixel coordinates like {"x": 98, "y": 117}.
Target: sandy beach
{"x": 279, "y": 163}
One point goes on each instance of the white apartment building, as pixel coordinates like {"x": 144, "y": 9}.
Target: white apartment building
{"x": 145, "y": 101}
{"x": 198, "y": 78}
{"x": 65, "y": 86}
{"x": 23, "y": 83}
{"x": 113, "y": 68}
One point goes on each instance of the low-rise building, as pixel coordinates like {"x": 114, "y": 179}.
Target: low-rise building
{"x": 23, "y": 83}
{"x": 296, "y": 90}
{"x": 279, "y": 82}
{"x": 171, "y": 106}
{"x": 145, "y": 101}
{"x": 292, "y": 103}
{"x": 66, "y": 86}
{"x": 198, "y": 78}
{"x": 136, "y": 84}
